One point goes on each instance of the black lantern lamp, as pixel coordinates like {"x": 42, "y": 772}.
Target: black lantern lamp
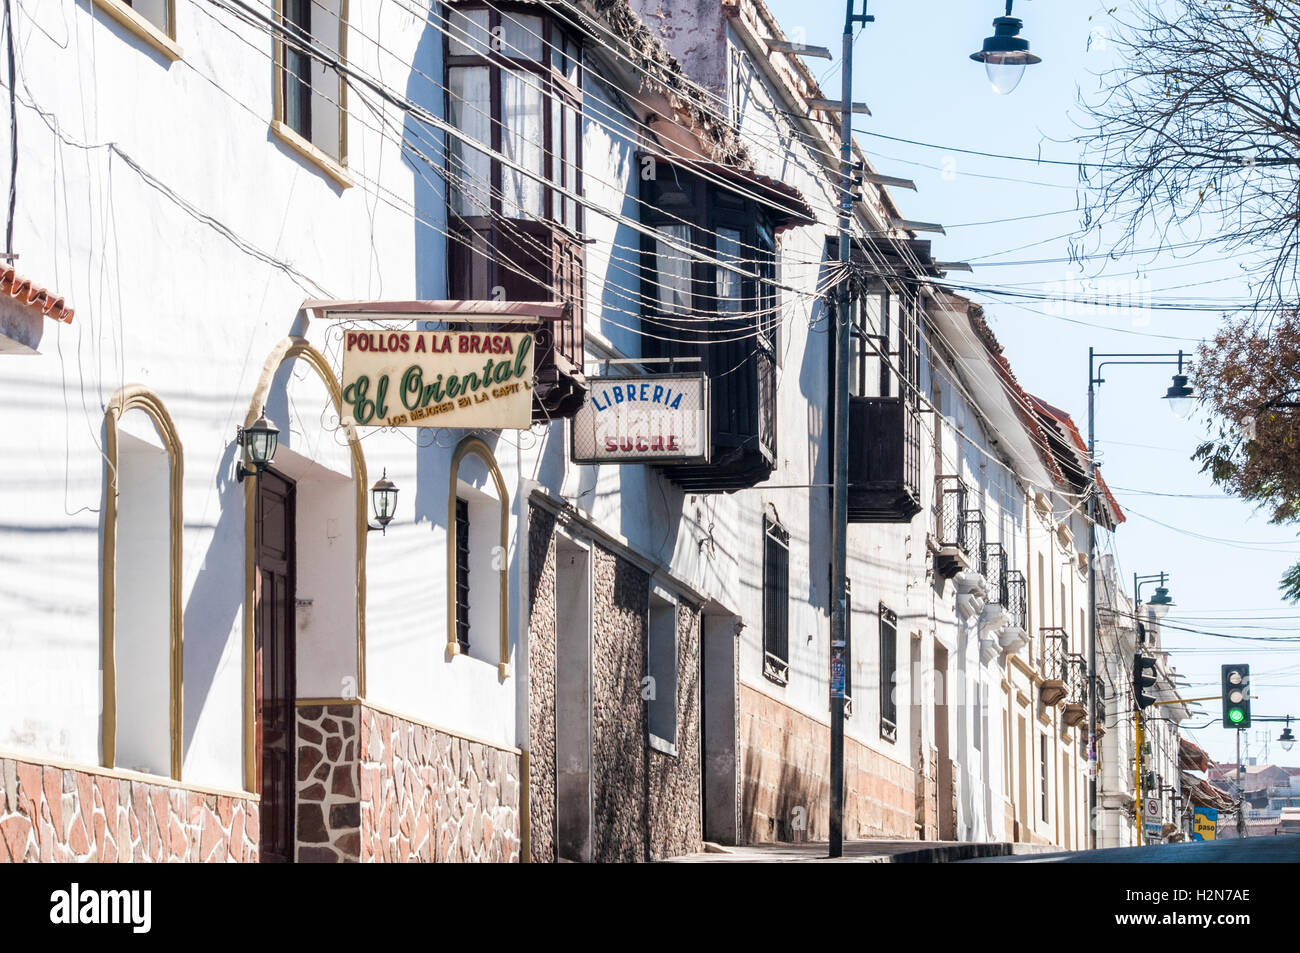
{"x": 1288, "y": 739}
{"x": 1182, "y": 399}
{"x": 1160, "y": 603}
{"x": 1006, "y": 53}
{"x": 259, "y": 442}
{"x": 383, "y": 497}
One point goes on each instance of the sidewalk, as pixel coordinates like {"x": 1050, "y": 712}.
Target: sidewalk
{"x": 859, "y": 852}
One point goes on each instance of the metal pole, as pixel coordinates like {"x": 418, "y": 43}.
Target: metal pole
{"x": 1092, "y": 604}
{"x": 1140, "y": 812}
{"x": 1241, "y": 792}
{"x": 840, "y": 488}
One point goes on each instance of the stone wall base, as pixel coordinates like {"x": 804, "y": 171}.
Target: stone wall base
{"x": 373, "y": 786}
{"x": 785, "y": 757}
{"x": 57, "y": 813}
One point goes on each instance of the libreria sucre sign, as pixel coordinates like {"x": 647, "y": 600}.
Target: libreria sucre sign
{"x": 473, "y": 379}
{"x": 643, "y": 419}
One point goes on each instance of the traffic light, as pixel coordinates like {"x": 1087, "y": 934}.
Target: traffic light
{"x": 1144, "y": 676}
{"x": 1236, "y": 696}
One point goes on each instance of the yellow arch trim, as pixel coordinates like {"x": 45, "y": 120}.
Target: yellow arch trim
{"x": 139, "y": 397}
{"x": 476, "y": 446}
{"x": 290, "y": 349}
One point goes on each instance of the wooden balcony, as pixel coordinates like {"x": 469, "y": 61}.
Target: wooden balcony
{"x": 742, "y": 420}
{"x": 884, "y": 460}
{"x": 528, "y": 260}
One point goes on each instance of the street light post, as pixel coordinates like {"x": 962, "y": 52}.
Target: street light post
{"x": 1181, "y": 400}
{"x": 1005, "y": 49}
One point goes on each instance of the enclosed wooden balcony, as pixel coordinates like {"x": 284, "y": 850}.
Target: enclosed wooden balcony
{"x": 884, "y": 460}
{"x": 528, "y": 261}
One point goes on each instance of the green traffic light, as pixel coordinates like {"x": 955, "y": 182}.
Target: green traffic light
{"x": 1236, "y": 716}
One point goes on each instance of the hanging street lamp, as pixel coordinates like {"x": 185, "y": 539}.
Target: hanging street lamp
{"x": 1005, "y": 54}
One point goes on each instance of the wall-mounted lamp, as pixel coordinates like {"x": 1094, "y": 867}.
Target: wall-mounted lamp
{"x": 383, "y": 497}
{"x": 259, "y": 442}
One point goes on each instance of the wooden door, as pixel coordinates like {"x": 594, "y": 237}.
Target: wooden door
{"x": 274, "y": 664}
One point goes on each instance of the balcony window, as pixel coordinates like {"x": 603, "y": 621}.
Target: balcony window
{"x": 514, "y": 87}
{"x": 709, "y": 280}
{"x": 884, "y": 404}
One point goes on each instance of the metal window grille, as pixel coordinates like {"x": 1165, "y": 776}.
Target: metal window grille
{"x": 950, "y": 504}
{"x": 972, "y": 536}
{"x": 1055, "y": 657}
{"x": 995, "y": 571}
{"x": 462, "y": 573}
{"x": 776, "y": 602}
{"x": 888, "y": 671}
{"x": 1017, "y": 595}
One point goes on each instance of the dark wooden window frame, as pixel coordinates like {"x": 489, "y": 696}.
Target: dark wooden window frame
{"x": 888, "y": 673}
{"x": 554, "y": 84}
{"x": 776, "y": 602}
{"x": 706, "y": 209}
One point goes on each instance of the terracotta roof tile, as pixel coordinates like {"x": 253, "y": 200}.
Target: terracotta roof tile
{"x": 33, "y": 296}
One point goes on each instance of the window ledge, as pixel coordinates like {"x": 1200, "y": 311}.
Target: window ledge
{"x": 140, "y": 27}
{"x": 331, "y": 167}
{"x": 665, "y": 747}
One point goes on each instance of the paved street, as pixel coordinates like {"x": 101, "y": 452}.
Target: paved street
{"x": 1285, "y": 849}
{"x": 855, "y": 852}
{"x": 1253, "y": 850}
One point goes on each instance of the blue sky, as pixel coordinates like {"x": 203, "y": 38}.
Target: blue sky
{"x": 912, "y": 67}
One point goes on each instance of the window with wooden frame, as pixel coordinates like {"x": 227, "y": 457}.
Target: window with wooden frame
{"x": 153, "y": 21}
{"x": 710, "y": 294}
{"x": 514, "y": 88}
{"x": 514, "y": 85}
{"x": 888, "y": 673}
{"x": 776, "y": 601}
{"x": 310, "y": 93}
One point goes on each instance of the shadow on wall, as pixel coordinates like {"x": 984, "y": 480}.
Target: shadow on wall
{"x": 215, "y": 599}
{"x": 815, "y": 384}
{"x": 801, "y": 795}
{"x": 424, "y": 152}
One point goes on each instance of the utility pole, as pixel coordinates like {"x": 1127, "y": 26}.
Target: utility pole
{"x": 840, "y": 487}
{"x": 1137, "y": 774}
{"x": 1092, "y": 623}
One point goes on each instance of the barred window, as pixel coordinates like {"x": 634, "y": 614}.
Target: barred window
{"x": 1044, "y": 767}
{"x": 888, "y": 673}
{"x": 462, "y": 573}
{"x": 776, "y": 602}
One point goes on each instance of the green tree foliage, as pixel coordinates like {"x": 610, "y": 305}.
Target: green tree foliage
{"x": 1249, "y": 377}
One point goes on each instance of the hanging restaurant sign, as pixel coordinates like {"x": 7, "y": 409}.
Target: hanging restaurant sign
{"x": 643, "y": 419}
{"x": 482, "y": 380}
